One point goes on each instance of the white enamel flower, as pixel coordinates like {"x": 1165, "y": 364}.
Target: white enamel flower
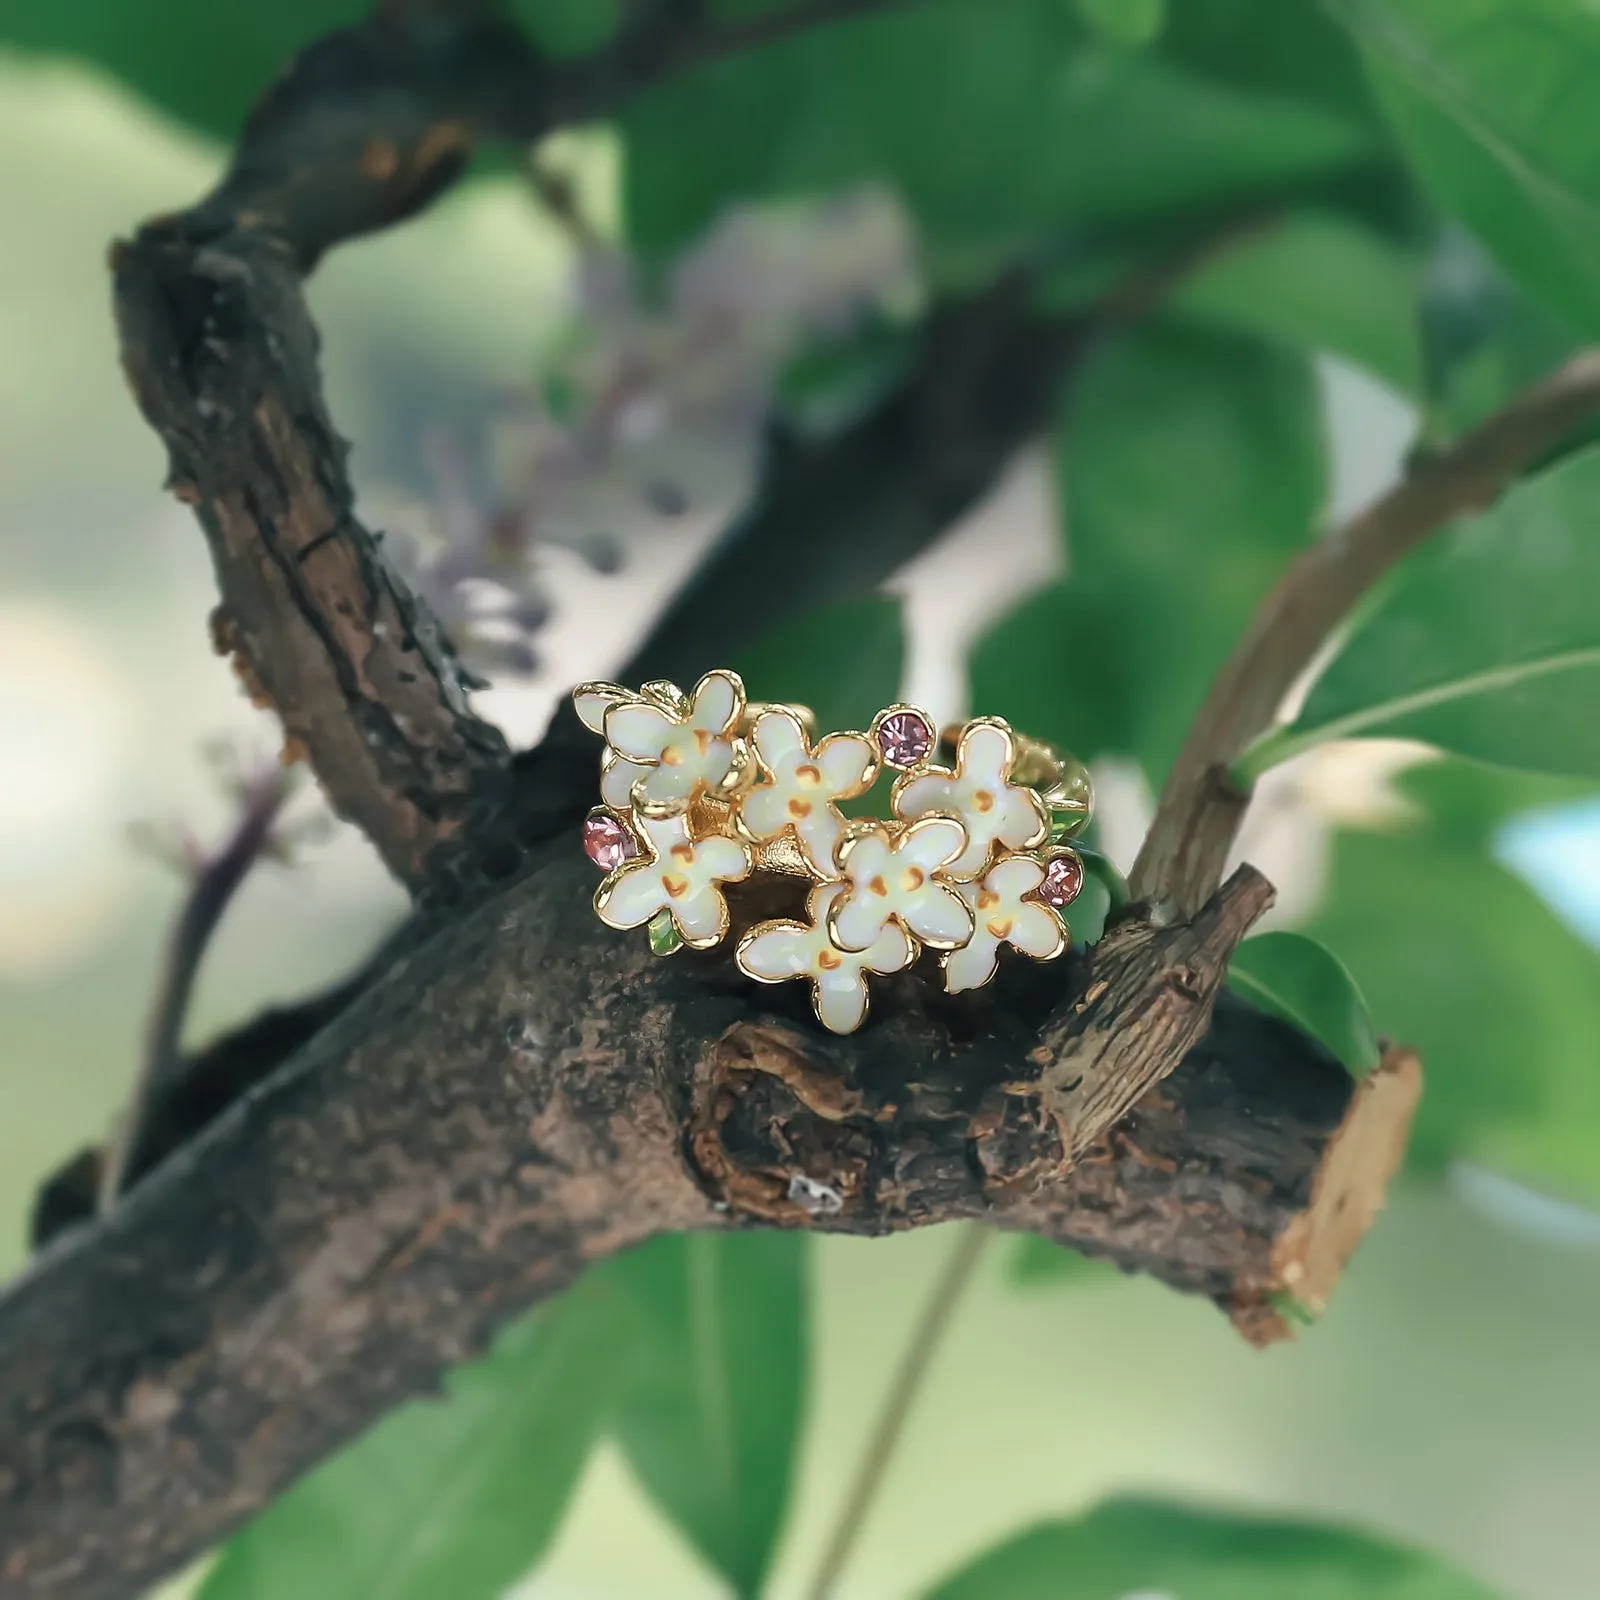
{"x": 775, "y": 951}
{"x": 685, "y": 745}
{"x": 800, "y": 786}
{"x": 679, "y": 875}
{"x": 1002, "y": 915}
{"x": 979, "y": 790}
{"x": 892, "y": 877}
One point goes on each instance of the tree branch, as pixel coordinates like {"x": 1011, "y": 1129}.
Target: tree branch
{"x": 1200, "y": 809}
{"x": 527, "y": 1094}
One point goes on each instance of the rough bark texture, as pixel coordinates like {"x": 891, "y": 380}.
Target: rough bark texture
{"x": 527, "y": 1094}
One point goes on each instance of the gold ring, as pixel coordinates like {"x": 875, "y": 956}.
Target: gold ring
{"x": 705, "y": 789}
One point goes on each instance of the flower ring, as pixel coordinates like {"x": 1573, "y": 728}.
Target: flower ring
{"x": 702, "y": 791}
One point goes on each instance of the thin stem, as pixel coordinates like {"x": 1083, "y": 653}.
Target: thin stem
{"x": 216, "y": 880}
{"x": 1201, "y": 807}
{"x": 903, "y": 1389}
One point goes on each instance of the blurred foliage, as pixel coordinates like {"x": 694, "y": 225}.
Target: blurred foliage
{"x": 1191, "y": 468}
{"x": 458, "y": 1496}
{"x": 1130, "y": 1547}
{"x": 1408, "y": 184}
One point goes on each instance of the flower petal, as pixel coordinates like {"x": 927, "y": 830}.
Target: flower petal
{"x": 818, "y": 834}
{"x": 848, "y": 763}
{"x": 617, "y": 779}
{"x": 633, "y": 899}
{"x": 892, "y": 951}
{"x": 777, "y": 950}
{"x": 866, "y": 856}
{"x": 593, "y": 700}
{"x": 971, "y": 862}
{"x": 718, "y": 700}
{"x": 765, "y": 811}
{"x": 986, "y": 753}
{"x": 1014, "y": 876}
{"x": 777, "y": 735}
{"x": 939, "y": 918}
{"x": 640, "y": 732}
{"x": 670, "y": 788}
{"x": 725, "y": 860}
{"x": 702, "y": 917}
{"x": 841, "y": 999}
{"x": 856, "y": 921}
{"x": 1024, "y": 822}
{"x": 933, "y": 791}
{"x": 973, "y": 965}
{"x": 1036, "y": 932}
{"x": 931, "y": 842}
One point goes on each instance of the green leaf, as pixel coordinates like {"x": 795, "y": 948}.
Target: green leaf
{"x": 1192, "y": 469}
{"x": 1306, "y": 985}
{"x": 1034, "y": 1262}
{"x": 180, "y": 54}
{"x": 1492, "y": 101}
{"x": 1126, "y": 22}
{"x": 712, "y": 1421}
{"x": 1129, "y": 1547}
{"x": 1465, "y": 963}
{"x": 455, "y": 1497}
{"x": 845, "y": 662}
{"x": 1483, "y": 339}
{"x": 1316, "y": 282}
{"x": 999, "y": 125}
{"x": 1488, "y": 644}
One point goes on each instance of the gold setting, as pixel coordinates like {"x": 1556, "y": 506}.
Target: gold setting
{"x": 710, "y": 788}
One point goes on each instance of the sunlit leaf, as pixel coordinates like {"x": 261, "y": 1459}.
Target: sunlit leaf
{"x": 1306, "y": 985}
{"x": 1488, "y": 644}
{"x": 1131, "y": 1547}
{"x": 712, "y": 1420}
{"x": 1492, "y": 100}
{"x": 1318, "y": 282}
{"x": 1192, "y": 469}
{"x": 458, "y": 1496}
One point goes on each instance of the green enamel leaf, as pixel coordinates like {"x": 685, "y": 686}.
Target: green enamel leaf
{"x": 712, "y": 1421}
{"x": 1134, "y": 1547}
{"x": 1316, "y": 281}
{"x": 1488, "y": 644}
{"x": 845, "y": 662}
{"x": 1492, "y": 101}
{"x": 455, "y": 1497}
{"x": 1306, "y": 985}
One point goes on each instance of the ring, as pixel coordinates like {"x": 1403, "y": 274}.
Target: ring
{"x": 706, "y": 789}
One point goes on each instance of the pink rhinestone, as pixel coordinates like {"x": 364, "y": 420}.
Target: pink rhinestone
{"x": 606, "y": 842}
{"x": 905, "y": 738}
{"x": 1063, "y": 878}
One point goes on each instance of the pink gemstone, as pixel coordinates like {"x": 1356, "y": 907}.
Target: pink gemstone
{"x": 905, "y": 738}
{"x": 606, "y": 842}
{"x": 1063, "y": 878}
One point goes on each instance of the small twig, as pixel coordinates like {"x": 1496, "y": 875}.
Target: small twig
{"x": 903, "y": 1389}
{"x": 216, "y": 880}
{"x": 1201, "y": 808}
